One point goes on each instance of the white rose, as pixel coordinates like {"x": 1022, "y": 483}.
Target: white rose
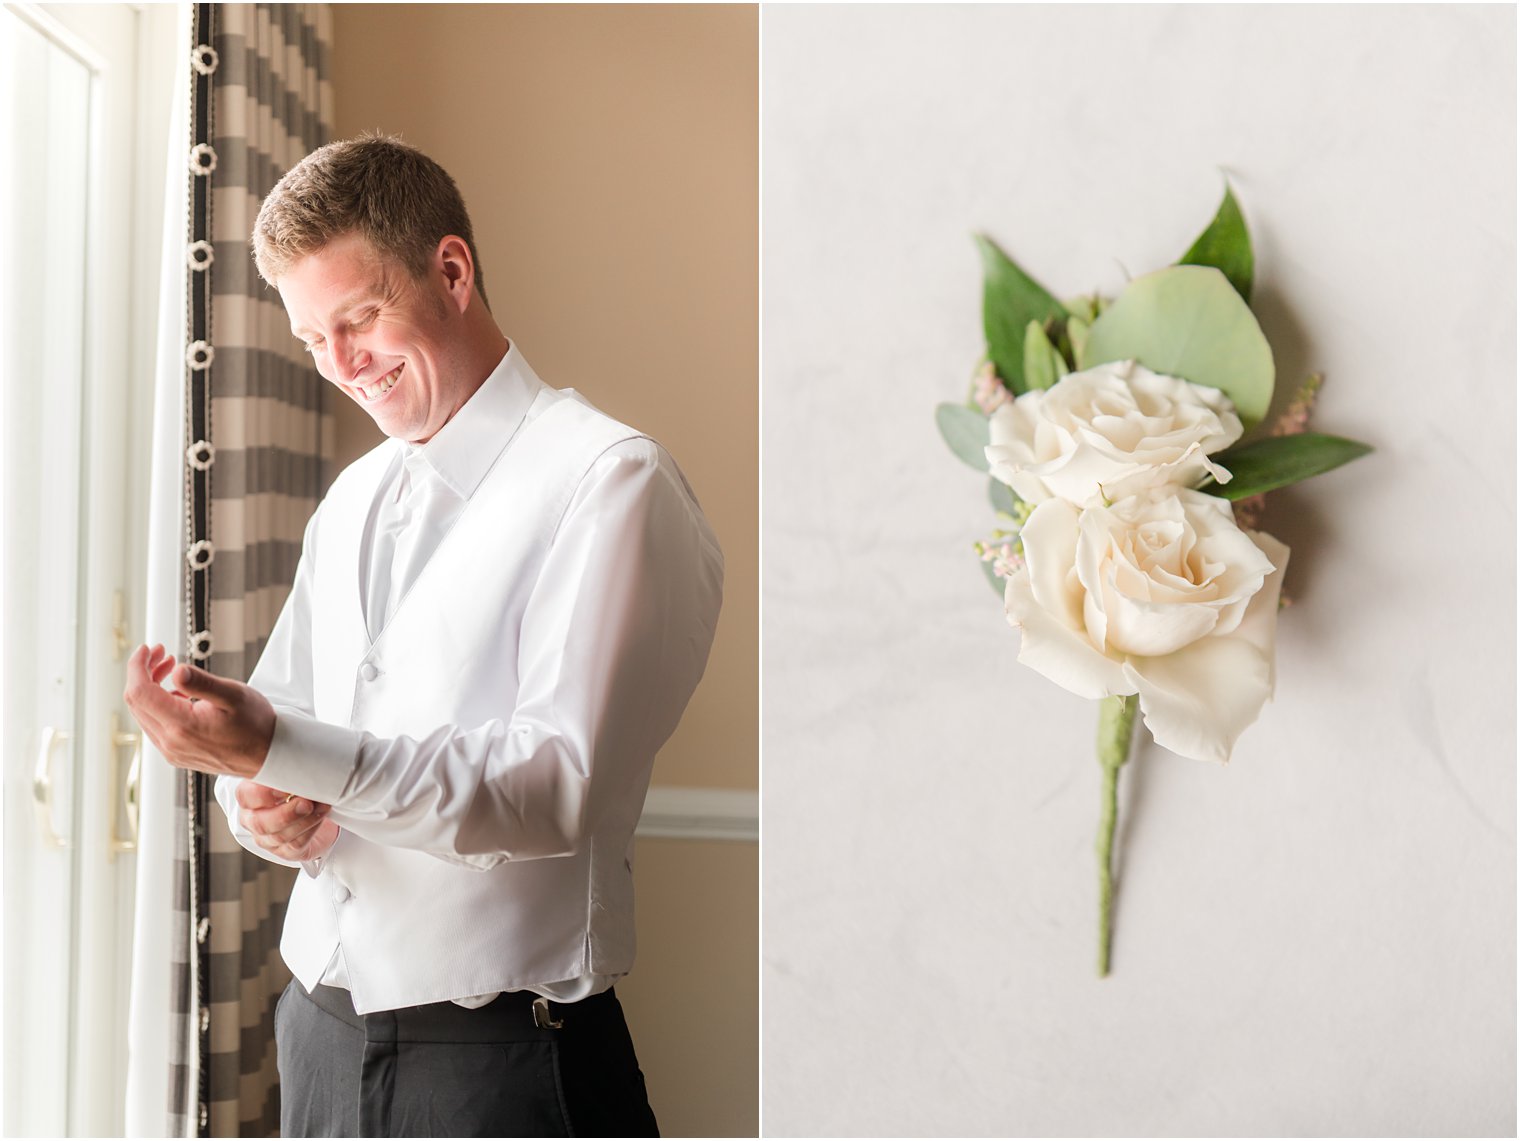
{"x": 1159, "y": 594}
{"x": 1110, "y": 432}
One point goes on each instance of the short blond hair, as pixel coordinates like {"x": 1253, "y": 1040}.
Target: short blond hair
{"x": 394, "y": 196}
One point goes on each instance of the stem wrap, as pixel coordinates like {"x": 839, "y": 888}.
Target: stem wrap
{"x": 1116, "y": 726}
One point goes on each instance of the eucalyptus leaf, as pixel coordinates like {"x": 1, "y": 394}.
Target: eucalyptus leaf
{"x": 1010, "y": 300}
{"x": 1001, "y": 496}
{"x": 1043, "y": 363}
{"x": 965, "y": 430}
{"x": 1226, "y": 245}
{"x": 1188, "y": 321}
{"x": 1279, "y": 461}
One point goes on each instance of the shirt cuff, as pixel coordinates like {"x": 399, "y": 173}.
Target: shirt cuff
{"x": 310, "y": 758}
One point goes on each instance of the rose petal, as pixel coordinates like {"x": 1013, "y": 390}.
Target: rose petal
{"x": 1054, "y": 649}
{"x": 1088, "y": 475}
{"x": 1010, "y": 431}
{"x": 1153, "y": 629}
{"x": 1109, "y": 432}
{"x": 1049, "y": 536}
{"x": 1258, "y": 626}
{"x": 1199, "y": 700}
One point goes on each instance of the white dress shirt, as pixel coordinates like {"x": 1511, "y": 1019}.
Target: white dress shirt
{"x": 609, "y": 605}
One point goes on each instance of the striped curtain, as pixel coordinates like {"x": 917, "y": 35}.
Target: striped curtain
{"x": 258, "y": 447}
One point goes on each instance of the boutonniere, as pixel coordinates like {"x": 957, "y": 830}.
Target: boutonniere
{"x": 1129, "y": 443}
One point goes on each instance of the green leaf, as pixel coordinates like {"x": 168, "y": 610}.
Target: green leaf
{"x": 998, "y": 584}
{"x": 1001, "y": 496}
{"x": 1043, "y": 363}
{"x": 1085, "y": 308}
{"x": 1010, "y": 300}
{"x": 1226, "y": 245}
{"x": 965, "y": 430}
{"x": 1188, "y": 321}
{"x": 1076, "y": 333}
{"x": 1279, "y": 461}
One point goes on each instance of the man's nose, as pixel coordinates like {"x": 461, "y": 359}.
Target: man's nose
{"x": 349, "y": 360}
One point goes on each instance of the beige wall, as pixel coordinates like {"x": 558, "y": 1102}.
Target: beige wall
{"x": 608, "y": 156}
{"x": 693, "y": 1001}
{"x": 609, "y": 159}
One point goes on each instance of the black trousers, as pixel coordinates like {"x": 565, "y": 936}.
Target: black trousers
{"x": 441, "y": 1070}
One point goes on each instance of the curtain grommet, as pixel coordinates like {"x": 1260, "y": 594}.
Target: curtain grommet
{"x": 200, "y": 554}
{"x": 200, "y": 255}
{"x": 200, "y": 645}
{"x": 202, "y": 159}
{"x": 199, "y": 355}
{"x": 204, "y": 59}
{"x": 200, "y": 455}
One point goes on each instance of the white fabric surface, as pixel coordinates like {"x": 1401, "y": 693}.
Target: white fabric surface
{"x": 1317, "y": 939}
{"x": 418, "y": 500}
{"x": 589, "y": 545}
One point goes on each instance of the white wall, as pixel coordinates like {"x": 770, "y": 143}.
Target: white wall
{"x": 1319, "y": 939}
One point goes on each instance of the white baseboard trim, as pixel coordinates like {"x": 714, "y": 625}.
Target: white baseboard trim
{"x": 701, "y": 814}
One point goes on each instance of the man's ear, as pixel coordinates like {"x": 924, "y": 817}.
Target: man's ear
{"x": 457, "y": 270}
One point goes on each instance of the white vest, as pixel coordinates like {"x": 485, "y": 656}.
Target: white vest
{"x": 416, "y": 928}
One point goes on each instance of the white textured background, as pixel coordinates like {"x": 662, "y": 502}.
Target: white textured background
{"x": 1319, "y": 939}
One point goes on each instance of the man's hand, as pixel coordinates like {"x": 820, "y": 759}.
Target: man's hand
{"x": 207, "y": 723}
{"x": 291, "y": 827}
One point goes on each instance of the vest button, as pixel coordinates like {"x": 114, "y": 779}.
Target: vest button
{"x": 341, "y": 894}
{"x": 368, "y": 671}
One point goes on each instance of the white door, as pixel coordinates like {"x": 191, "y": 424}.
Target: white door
{"x": 42, "y": 450}
{"x": 80, "y": 143}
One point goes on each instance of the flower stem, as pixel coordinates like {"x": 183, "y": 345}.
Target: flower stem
{"x": 1116, "y": 724}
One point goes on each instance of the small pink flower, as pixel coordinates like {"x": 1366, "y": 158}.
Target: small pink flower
{"x": 1007, "y": 558}
{"x": 990, "y": 394}
{"x": 1248, "y": 511}
{"x": 1295, "y": 417}
{"x": 1008, "y": 562}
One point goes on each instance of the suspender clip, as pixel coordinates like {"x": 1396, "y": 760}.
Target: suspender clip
{"x": 541, "y": 1016}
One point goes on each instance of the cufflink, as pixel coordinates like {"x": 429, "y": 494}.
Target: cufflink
{"x": 542, "y": 1018}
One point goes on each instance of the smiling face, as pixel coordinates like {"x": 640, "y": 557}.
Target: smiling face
{"x": 393, "y": 344}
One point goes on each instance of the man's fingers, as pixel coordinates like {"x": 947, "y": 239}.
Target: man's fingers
{"x": 145, "y": 696}
{"x": 293, "y": 841}
{"x": 137, "y": 668}
{"x": 210, "y": 724}
{"x": 252, "y": 794}
{"x": 159, "y": 666}
{"x": 295, "y": 831}
{"x": 321, "y": 839}
{"x": 294, "y": 817}
{"x": 311, "y": 845}
{"x": 199, "y": 683}
{"x": 283, "y": 819}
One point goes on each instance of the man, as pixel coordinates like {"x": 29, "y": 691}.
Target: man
{"x": 497, "y": 619}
